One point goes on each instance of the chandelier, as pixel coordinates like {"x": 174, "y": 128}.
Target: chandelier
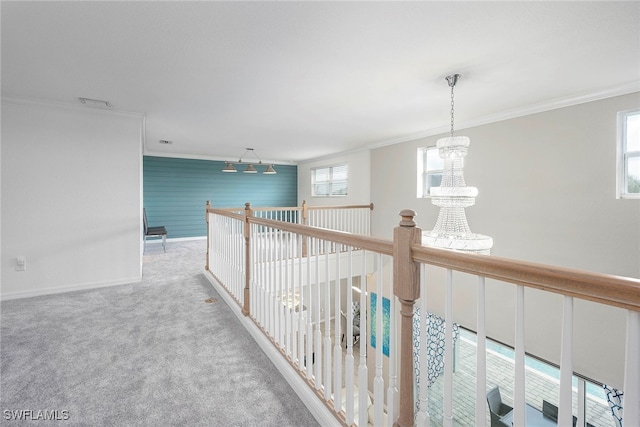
{"x": 250, "y": 168}
{"x": 453, "y": 196}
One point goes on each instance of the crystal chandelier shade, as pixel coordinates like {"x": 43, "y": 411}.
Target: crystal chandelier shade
{"x": 452, "y": 197}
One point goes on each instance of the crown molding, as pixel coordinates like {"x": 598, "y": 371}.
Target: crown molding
{"x": 553, "y": 104}
{"x": 148, "y": 152}
{"x": 69, "y": 106}
{"x": 334, "y": 155}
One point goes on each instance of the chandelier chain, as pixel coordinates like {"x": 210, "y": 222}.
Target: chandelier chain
{"x": 452, "y": 111}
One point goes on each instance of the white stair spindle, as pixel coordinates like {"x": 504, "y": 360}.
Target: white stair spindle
{"x": 566, "y": 365}
{"x": 631, "y": 402}
{"x": 327, "y": 329}
{"x": 448, "y": 353}
{"x": 378, "y": 381}
{"x": 393, "y": 395}
{"x": 280, "y": 293}
{"x": 481, "y": 358}
{"x": 582, "y": 403}
{"x": 422, "y": 419}
{"x": 337, "y": 346}
{"x": 254, "y": 290}
{"x": 318, "y": 331}
{"x": 519, "y": 379}
{"x": 302, "y": 327}
{"x": 309, "y": 319}
{"x": 363, "y": 373}
{"x": 348, "y": 361}
{"x": 271, "y": 296}
{"x": 288, "y": 296}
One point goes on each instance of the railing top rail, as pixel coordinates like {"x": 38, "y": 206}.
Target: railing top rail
{"x": 297, "y": 208}
{"x": 623, "y": 292}
{"x": 369, "y": 206}
{"x": 228, "y": 212}
{"x": 276, "y": 208}
{"x": 355, "y": 240}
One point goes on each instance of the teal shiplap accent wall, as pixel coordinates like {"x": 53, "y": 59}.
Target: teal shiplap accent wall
{"x": 176, "y": 190}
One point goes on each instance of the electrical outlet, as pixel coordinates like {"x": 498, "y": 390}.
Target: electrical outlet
{"x": 21, "y": 263}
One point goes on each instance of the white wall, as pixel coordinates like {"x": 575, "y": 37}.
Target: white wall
{"x": 71, "y": 198}
{"x": 547, "y": 193}
{"x": 359, "y": 188}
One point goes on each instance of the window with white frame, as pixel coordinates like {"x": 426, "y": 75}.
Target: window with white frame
{"x": 430, "y": 168}
{"x": 330, "y": 181}
{"x": 629, "y": 154}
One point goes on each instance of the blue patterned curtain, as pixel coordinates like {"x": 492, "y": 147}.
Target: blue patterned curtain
{"x": 614, "y": 397}
{"x": 435, "y": 348}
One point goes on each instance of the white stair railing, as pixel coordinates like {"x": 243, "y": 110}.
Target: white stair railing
{"x": 294, "y": 280}
{"x": 604, "y": 289}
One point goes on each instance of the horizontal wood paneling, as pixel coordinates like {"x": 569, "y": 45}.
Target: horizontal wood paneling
{"x": 176, "y": 190}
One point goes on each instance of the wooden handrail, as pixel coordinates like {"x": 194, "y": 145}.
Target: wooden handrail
{"x": 623, "y": 292}
{"x": 369, "y": 206}
{"x": 297, "y": 208}
{"x": 276, "y": 208}
{"x": 364, "y": 242}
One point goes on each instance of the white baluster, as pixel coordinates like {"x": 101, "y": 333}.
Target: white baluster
{"x": 348, "y": 361}
{"x": 232, "y": 258}
{"x": 393, "y": 395}
{"x": 631, "y": 402}
{"x": 582, "y": 385}
{"x": 299, "y": 311}
{"x": 481, "y": 358}
{"x": 263, "y": 279}
{"x": 422, "y": 419}
{"x": 280, "y": 291}
{"x": 318, "y": 332}
{"x": 378, "y": 381}
{"x": 327, "y": 330}
{"x": 337, "y": 347}
{"x": 237, "y": 271}
{"x": 226, "y": 257}
{"x": 363, "y": 373}
{"x": 287, "y": 295}
{"x": 270, "y": 281}
{"x": 518, "y": 388}
{"x": 309, "y": 318}
{"x": 448, "y": 353}
{"x": 566, "y": 365}
{"x": 253, "y": 289}
{"x": 293, "y": 316}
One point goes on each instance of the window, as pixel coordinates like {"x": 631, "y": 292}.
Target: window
{"x": 629, "y": 154}
{"x": 430, "y": 167}
{"x": 330, "y": 181}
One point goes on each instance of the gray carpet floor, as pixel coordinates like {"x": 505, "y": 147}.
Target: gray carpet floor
{"x": 149, "y": 354}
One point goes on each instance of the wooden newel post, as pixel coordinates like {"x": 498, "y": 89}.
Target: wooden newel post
{"x": 406, "y": 286}
{"x": 305, "y": 212}
{"x": 206, "y": 218}
{"x": 248, "y": 212}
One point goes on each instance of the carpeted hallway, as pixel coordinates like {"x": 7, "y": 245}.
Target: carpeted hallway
{"x": 149, "y": 354}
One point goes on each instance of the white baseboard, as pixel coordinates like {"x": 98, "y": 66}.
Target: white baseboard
{"x": 62, "y": 289}
{"x": 321, "y": 413}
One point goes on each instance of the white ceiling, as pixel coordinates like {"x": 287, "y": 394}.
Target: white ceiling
{"x": 302, "y": 80}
